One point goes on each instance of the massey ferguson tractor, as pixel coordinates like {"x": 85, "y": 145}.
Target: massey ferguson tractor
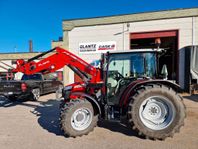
{"x": 127, "y": 85}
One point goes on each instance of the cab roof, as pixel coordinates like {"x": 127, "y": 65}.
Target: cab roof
{"x": 136, "y": 51}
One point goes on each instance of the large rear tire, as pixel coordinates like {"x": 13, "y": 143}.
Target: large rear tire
{"x": 77, "y": 118}
{"x": 156, "y": 111}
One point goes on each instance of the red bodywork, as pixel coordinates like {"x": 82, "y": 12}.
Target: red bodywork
{"x": 128, "y": 92}
{"x": 58, "y": 60}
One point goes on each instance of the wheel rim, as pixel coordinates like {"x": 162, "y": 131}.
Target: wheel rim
{"x": 36, "y": 93}
{"x": 81, "y": 119}
{"x": 157, "y": 112}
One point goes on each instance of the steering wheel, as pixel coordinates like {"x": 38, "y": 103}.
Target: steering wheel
{"x": 116, "y": 75}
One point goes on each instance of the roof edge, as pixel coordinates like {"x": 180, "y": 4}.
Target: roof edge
{"x": 145, "y": 16}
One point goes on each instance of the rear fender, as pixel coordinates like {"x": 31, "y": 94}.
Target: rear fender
{"x": 131, "y": 88}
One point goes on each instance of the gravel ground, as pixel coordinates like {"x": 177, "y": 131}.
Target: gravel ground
{"x": 34, "y": 125}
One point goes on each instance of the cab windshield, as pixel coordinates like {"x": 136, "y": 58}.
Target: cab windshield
{"x": 133, "y": 64}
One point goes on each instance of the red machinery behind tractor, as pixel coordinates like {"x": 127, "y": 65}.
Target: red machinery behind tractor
{"x": 128, "y": 85}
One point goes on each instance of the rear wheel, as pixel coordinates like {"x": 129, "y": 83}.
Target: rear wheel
{"x": 77, "y": 118}
{"x": 35, "y": 94}
{"x": 156, "y": 112}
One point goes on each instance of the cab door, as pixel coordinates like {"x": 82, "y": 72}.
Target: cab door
{"x": 118, "y": 70}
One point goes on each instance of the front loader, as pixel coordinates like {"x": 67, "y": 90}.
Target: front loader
{"x": 127, "y": 85}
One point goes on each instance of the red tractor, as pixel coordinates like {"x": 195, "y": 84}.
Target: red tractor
{"x": 128, "y": 85}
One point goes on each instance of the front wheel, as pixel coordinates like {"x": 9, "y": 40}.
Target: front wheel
{"x": 156, "y": 112}
{"x": 77, "y": 118}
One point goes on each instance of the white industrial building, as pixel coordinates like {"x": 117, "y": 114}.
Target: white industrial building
{"x": 176, "y": 29}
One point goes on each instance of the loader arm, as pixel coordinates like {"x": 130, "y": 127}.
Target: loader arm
{"x": 56, "y": 61}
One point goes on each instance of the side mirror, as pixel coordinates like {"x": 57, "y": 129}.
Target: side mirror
{"x": 164, "y": 72}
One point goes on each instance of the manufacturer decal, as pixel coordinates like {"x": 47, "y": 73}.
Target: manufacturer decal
{"x": 97, "y": 47}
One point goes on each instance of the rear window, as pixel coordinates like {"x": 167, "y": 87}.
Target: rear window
{"x": 32, "y": 77}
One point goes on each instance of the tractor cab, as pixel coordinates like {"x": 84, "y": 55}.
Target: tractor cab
{"x": 122, "y": 68}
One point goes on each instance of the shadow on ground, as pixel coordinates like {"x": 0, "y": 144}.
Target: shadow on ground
{"x": 48, "y": 116}
{"x": 192, "y": 97}
{"x": 118, "y": 127}
{"x": 6, "y": 103}
{"x": 48, "y": 113}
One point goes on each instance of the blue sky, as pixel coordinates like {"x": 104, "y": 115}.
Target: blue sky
{"x": 41, "y": 20}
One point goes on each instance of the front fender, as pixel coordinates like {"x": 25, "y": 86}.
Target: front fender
{"x": 90, "y": 99}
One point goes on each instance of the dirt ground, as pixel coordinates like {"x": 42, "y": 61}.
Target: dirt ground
{"x": 35, "y": 125}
